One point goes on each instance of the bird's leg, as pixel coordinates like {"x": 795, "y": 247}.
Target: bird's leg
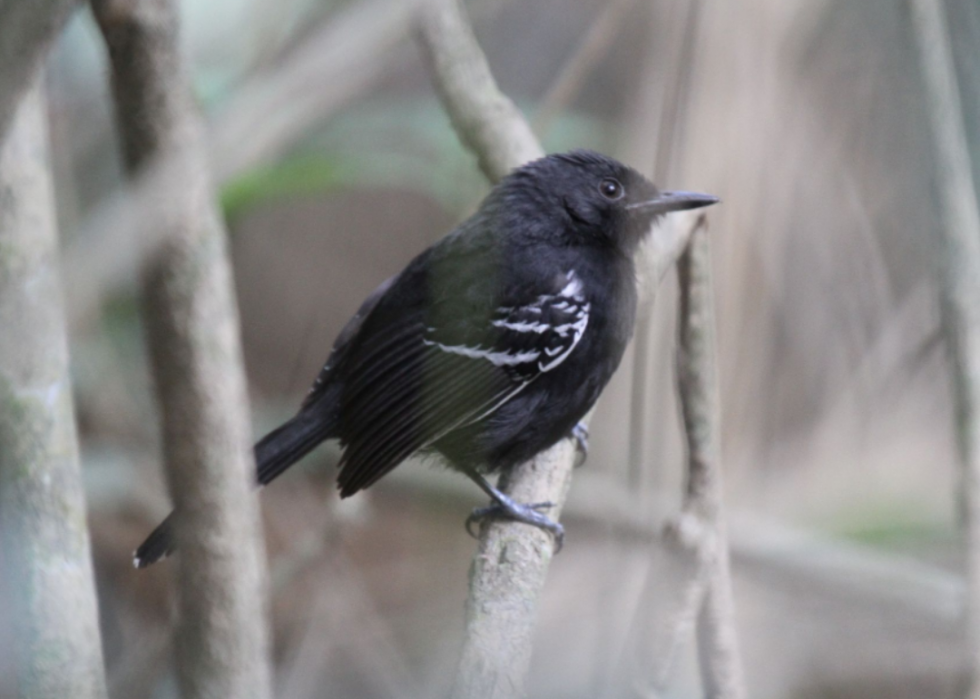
{"x": 580, "y": 433}
{"x": 505, "y": 507}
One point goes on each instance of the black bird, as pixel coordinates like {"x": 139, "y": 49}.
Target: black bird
{"x": 492, "y": 344}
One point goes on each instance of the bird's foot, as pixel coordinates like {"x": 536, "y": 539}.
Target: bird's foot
{"x": 505, "y": 508}
{"x": 580, "y": 433}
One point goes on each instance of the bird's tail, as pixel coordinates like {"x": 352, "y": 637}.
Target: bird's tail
{"x": 291, "y": 441}
{"x": 274, "y": 453}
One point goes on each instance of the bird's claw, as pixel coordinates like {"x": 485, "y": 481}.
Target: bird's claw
{"x": 528, "y": 514}
{"x": 580, "y": 433}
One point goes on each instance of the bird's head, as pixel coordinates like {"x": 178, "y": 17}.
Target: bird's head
{"x": 600, "y": 200}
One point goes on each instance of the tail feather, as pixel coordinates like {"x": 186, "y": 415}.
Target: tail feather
{"x": 289, "y": 443}
{"x": 159, "y": 544}
{"x": 274, "y": 453}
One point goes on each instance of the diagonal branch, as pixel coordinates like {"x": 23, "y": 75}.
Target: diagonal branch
{"x": 337, "y": 63}
{"x": 486, "y": 120}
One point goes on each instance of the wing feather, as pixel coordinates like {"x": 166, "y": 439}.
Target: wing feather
{"x": 443, "y": 368}
{"x": 345, "y": 339}
{"x": 449, "y": 391}
{"x": 387, "y": 388}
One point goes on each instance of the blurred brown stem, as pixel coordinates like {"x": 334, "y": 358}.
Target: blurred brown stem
{"x": 194, "y": 347}
{"x": 44, "y": 539}
{"x": 960, "y": 284}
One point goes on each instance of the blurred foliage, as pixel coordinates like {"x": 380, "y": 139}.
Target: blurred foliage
{"x": 308, "y": 173}
{"x": 892, "y": 525}
{"x": 390, "y": 143}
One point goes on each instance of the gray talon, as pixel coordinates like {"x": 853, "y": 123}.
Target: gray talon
{"x": 528, "y": 514}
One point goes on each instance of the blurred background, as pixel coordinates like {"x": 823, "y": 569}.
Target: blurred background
{"x": 336, "y": 165}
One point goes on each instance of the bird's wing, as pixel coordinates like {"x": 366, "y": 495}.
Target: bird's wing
{"x": 344, "y": 339}
{"x": 427, "y": 376}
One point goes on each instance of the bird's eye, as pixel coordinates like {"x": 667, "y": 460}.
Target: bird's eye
{"x": 611, "y": 189}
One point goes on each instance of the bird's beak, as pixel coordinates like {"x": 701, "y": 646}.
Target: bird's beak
{"x": 666, "y": 202}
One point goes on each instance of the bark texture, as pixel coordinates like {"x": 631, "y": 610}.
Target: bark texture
{"x": 959, "y": 248}
{"x": 44, "y": 542}
{"x": 26, "y": 31}
{"x": 718, "y": 648}
{"x": 194, "y": 346}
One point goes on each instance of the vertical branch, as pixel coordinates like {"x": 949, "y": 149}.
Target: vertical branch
{"x": 699, "y": 594}
{"x": 44, "y": 542}
{"x": 193, "y": 337}
{"x": 960, "y": 285}
{"x": 721, "y": 668}
{"x": 512, "y": 560}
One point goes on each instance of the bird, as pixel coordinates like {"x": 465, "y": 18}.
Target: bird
{"x": 491, "y": 345}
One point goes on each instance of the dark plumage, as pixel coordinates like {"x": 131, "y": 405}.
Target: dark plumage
{"x": 493, "y": 343}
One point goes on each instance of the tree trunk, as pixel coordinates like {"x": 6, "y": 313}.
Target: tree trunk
{"x": 44, "y": 542}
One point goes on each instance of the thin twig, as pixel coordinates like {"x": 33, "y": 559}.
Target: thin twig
{"x": 697, "y": 536}
{"x": 960, "y": 285}
{"x": 576, "y": 70}
{"x": 720, "y": 658}
{"x": 193, "y": 337}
